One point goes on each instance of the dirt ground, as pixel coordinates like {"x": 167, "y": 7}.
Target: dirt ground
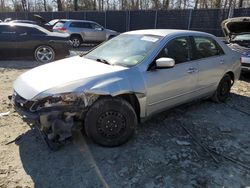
{"x": 161, "y": 154}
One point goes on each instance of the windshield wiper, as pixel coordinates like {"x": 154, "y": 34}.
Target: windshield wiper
{"x": 103, "y": 61}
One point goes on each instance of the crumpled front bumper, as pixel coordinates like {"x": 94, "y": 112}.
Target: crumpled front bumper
{"x": 245, "y": 63}
{"x": 27, "y": 116}
{"x": 22, "y": 106}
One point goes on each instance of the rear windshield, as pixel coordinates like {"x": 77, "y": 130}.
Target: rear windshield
{"x": 59, "y": 24}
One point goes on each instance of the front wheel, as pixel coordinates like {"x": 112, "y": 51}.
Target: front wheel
{"x": 223, "y": 90}
{"x": 110, "y": 122}
{"x": 44, "y": 54}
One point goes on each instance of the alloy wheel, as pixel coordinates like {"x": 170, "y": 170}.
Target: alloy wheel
{"x": 45, "y": 54}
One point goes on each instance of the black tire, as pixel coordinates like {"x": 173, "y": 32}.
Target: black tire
{"x": 111, "y": 36}
{"x": 110, "y": 122}
{"x": 44, "y": 54}
{"x": 76, "y": 41}
{"x": 223, "y": 90}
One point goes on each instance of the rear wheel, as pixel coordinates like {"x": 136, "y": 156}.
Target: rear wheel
{"x": 110, "y": 122}
{"x": 44, "y": 54}
{"x": 223, "y": 89}
{"x": 76, "y": 41}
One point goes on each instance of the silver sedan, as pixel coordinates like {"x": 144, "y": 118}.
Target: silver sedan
{"x": 123, "y": 81}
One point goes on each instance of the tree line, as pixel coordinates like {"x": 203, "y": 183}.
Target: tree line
{"x": 102, "y": 5}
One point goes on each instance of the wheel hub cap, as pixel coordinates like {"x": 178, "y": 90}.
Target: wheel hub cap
{"x": 76, "y": 42}
{"x": 44, "y": 54}
{"x": 111, "y": 124}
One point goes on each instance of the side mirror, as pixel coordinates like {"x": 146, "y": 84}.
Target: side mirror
{"x": 165, "y": 62}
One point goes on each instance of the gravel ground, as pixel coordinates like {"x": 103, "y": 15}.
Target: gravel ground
{"x": 161, "y": 154}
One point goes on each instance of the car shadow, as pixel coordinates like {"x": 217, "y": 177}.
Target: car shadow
{"x": 18, "y": 63}
{"x": 28, "y": 63}
{"x": 245, "y": 76}
{"x": 151, "y": 158}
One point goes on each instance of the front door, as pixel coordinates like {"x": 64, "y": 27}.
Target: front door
{"x": 172, "y": 86}
{"x": 98, "y": 33}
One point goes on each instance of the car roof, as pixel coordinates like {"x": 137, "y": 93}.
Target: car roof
{"x": 20, "y": 24}
{"x": 24, "y": 25}
{"x": 165, "y": 32}
{"x": 73, "y": 20}
{"x": 22, "y": 21}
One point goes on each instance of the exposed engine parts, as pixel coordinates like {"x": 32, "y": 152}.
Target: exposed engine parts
{"x": 56, "y": 124}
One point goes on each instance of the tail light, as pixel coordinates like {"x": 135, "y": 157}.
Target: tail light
{"x": 60, "y": 29}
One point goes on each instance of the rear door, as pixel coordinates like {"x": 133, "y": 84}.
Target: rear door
{"x": 82, "y": 28}
{"x": 210, "y": 58}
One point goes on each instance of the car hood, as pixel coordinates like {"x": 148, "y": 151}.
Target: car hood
{"x": 235, "y": 26}
{"x": 60, "y": 73}
{"x": 111, "y": 31}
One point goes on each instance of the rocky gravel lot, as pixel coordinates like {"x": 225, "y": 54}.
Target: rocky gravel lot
{"x": 162, "y": 153}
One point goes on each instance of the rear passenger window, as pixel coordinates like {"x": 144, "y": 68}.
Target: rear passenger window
{"x": 177, "y": 49}
{"x": 80, "y": 25}
{"x": 206, "y": 47}
{"x": 29, "y": 30}
{"x": 5, "y": 29}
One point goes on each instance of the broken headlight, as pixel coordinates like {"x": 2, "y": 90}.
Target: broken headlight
{"x": 64, "y": 99}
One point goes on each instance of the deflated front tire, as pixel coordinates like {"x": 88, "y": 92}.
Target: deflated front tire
{"x": 110, "y": 121}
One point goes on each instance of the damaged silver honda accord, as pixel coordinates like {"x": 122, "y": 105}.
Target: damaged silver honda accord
{"x": 122, "y": 81}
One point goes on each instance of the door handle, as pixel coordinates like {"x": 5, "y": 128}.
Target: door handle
{"x": 222, "y": 61}
{"x": 23, "y": 34}
{"x": 192, "y": 70}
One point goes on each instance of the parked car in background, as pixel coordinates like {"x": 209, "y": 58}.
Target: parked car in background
{"x": 22, "y": 40}
{"x": 123, "y": 81}
{"x": 53, "y": 22}
{"x": 237, "y": 31}
{"x": 38, "y": 21}
{"x": 83, "y": 31}
{"x": 32, "y": 22}
{"x": 7, "y": 19}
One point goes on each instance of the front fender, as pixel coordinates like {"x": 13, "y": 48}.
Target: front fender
{"x": 118, "y": 85}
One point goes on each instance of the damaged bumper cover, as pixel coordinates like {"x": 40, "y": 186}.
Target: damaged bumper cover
{"x": 55, "y": 116}
{"x": 31, "y": 111}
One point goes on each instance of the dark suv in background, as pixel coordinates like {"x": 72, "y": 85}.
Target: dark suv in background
{"x": 23, "y": 40}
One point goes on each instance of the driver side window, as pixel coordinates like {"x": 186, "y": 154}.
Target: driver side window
{"x": 177, "y": 49}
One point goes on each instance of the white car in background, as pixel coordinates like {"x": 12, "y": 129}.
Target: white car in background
{"x": 237, "y": 31}
{"x": 124, "y": 81}
{"x": 83, "y": 31}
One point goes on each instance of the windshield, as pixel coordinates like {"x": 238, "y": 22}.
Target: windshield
{"x": 125, "y": 50}
{"x": 243, "y": 37}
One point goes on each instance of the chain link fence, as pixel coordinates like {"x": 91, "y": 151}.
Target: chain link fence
{"x": 207, "y": 20}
